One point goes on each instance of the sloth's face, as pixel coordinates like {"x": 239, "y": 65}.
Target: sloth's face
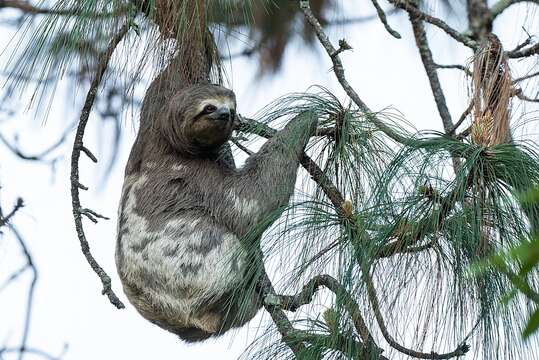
{"x": 212, "y": 124}
{"x": 200, "y": 118}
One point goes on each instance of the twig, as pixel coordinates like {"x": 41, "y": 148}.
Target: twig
{"x": 29, "y": 302}
{"x": 383, "y": 18}
{"x": 75, "y": 156}
{"x": 454, "y": 66}
{"x": 523, "y": 97}
{"x": 284, "y": 326}
{"x": 462, "y": 117}
{"x": 4, "y": 220}
{"x": 525, "y": 77}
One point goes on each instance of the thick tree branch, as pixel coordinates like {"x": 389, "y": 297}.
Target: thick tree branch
{"x": 78, "y": 147}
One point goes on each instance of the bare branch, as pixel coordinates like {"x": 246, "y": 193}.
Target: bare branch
{"x": 462, "y": 117}
{"x": 78, "y": 147}
{"x": 30, "y": 298}
{"x": 454, "y": 66}
{"x": 526, "y": 77}
{"x": 529, "y": 51}
{"x": 4, "y": 220}
{"x": 383, "y": 18}
{"x": 413, "y": 10}
{"x": 430, "y": 68}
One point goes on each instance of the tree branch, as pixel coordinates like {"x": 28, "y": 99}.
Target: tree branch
{"x": 338, "y": 69}
{"x": 78, "y": 147}
{"x": 503, "y": 5}
{"x": 305, "y": 296}
{"x": 430, "y": 68}
{"x": 459, "y": 351}
{"x": 383, "y": 18}
{"x": 412, "y": 9}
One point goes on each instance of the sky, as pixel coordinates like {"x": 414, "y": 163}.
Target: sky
{"x": 69, "y": 309}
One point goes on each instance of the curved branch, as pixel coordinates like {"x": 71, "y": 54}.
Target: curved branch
{"x": 413, "y": 10}
{"x": 459, "y": 351}
{"x": 383, "y": 18}
{"x": 503, "y": 5}
{"x": 78, "y": 147}
{"x": 305, "y": 296}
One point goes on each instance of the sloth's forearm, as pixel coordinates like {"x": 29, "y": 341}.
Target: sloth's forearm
{"x": 273, "y": 169}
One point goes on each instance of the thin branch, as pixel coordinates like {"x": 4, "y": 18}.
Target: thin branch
{"x": 430, "y": 68}
{"x": 413, "y": 10}
{"x": 525, "y": 77}
{"x": 523, "y": 97}
{"x": 14, "y": 276}
{"x": 454, "y": 66}
{"x": 4, "y": 220}
{"x": 462, "y": 117}
{"x": 459, "y": 351}
{"x": 529, "y": 51}
{"x": 39, "y": 157}
{"x": 78, "y": 147}
{"x": 383, "y": 18}
{"x": 30, "y": 297}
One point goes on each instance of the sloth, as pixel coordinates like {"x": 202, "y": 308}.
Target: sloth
{"x": 185, "y": 212}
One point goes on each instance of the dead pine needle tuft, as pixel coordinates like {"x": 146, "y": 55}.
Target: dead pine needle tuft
{"x": 492, "y": 91}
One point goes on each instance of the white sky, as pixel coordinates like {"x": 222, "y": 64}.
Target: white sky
{"x": 68, "y": 305}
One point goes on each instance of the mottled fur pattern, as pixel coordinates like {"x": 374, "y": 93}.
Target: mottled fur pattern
{"x": 184, "y": 211}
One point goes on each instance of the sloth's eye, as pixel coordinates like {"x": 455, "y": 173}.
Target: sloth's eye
{"x": 209, "y": 109}
{"x": 233, "y": 112}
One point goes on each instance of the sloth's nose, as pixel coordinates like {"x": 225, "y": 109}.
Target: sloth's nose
{"x": 223, "y": 113}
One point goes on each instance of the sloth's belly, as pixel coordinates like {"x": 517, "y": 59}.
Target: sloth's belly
{"x": 187, "y": 264}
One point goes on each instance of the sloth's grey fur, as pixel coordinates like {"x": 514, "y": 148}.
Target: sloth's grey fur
{"x": 184, "y": 210}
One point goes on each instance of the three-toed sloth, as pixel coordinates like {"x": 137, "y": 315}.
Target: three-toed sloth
{"x": 185, "y": 209}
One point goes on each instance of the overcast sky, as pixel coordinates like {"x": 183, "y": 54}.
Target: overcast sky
{"x": 69, "y": 308}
